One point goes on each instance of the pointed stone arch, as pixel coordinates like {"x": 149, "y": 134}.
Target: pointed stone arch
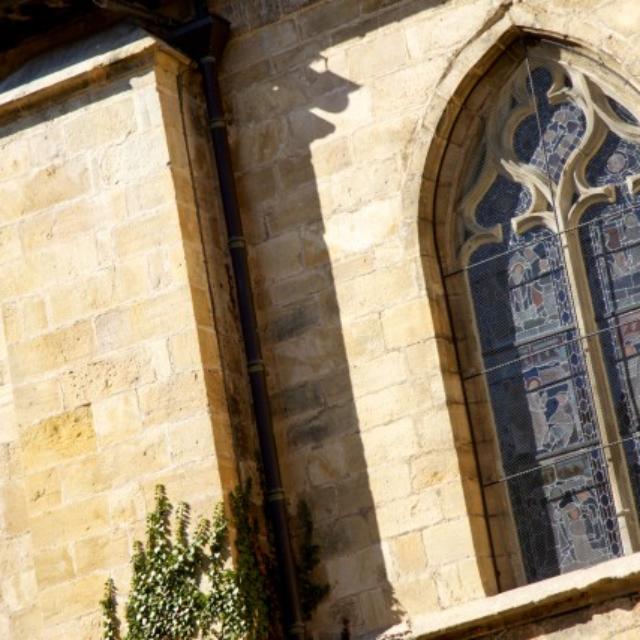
{"x": 445, "y": 130}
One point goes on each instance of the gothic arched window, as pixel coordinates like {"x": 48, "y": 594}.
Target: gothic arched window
{"x": 542, "y": 269}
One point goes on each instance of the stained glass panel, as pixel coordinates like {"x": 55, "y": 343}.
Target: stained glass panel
{"x": 532, "y": 349}
{"x": 551, "y": 134}
{"x": 615, "y": 160}
{"x": 541, "y": 402}
{"x": 535, "y": 367}
{"x": 622, "y": 112}
{"x": 610, "y": 238}
{"x": 565, "y": 516}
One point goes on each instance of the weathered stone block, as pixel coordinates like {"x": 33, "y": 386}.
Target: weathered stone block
{"x": 43, "y": 491}
{"x": 390, "y": 482}
{"x": 394, "y": 441}
{"x": 150, "y": 232}
{"x": 418, "y": 596}
{"x": 176, "y": 398}
{"x": 152, "y": 193}
{"x": 280, "y": 257}
{"x": 435, "y": 468}
{"x": 192, "y": 439}
{"x": 445, "y": 30}
{"x": 107, "y": 376}
{"x": 70, "y": 523}
{"x": 134, "y": 159}
{"x": 116, "y": 417}
{"x": 54, "y": 184}
{"x": 350, "y": 233}
{"x": 376, "y": 290}
{"x": 34, "y": 316}
{"x": 10, "y": 248}
{"x": 101, "y": 125}
{"x": 407, "y": 323}
{"x": 26, "y": 624}
{"x": 328, "y": 465}
{"x": 79, "y": 300}
{"x": 19, "y": 590}
{"x": 83, "y": 479}
{"x": 408, "y": 553}
{"x": 35, "y": 400}
{"x": 448, "y": 542}
{"x": 388, "y": 370}
{"x": 136, "y": 458}
{"x": 356, "y": 572}
{"x": 327, "y": 16}
{"x": 53, "y": 565}
{"x": 71, "y": 599}
{"x": 13, "y": 509}
{"x": 51, "y": 351}
{"x": 411, "y": 513}
{"x": 392, "y": 403}
{"x": 58, "y": 439}
{"x": 15, "y": 158}
{"x": 101, "y": 552}
{"x": 377, "y": 56}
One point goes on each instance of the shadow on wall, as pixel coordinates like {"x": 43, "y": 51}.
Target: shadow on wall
{"x": 316, "y": 421}
{"x": 284, "y": 177}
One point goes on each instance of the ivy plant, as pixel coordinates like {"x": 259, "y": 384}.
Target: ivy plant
{"x": 183, "y": 588}
{"x": 311, "y": 591}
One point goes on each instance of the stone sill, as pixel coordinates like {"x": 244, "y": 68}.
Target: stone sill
{"x": 554, "y": 596}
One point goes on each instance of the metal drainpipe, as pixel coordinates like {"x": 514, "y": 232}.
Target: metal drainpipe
{"x": 203, "y": 40}
{"x": 276, "y": 504}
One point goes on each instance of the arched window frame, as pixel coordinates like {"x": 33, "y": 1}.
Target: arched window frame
{"x": 557, "y": 209}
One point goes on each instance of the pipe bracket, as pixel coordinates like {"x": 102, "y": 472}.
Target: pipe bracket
{"x": 236, "y": 242}
{"x": 275, "y": 495}
{"x": 217, "y": 123}
{"x": 255, "y": 366}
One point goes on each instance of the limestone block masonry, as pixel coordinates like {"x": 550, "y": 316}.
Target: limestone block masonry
{"x": 109, "y": 358}
{"x": 341, "y": 110}
{"x": 120, "y": 362}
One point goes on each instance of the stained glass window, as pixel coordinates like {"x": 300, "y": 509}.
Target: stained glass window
{"x": 550, "y": 254}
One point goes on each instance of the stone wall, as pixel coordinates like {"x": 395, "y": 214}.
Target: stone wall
{"x": 340, "y": 114}
{"x": 111, "y": 374}
{"x": 120, "y": 360}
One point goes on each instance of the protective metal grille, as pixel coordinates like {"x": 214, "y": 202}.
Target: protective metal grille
{"x": 533, "y": 359}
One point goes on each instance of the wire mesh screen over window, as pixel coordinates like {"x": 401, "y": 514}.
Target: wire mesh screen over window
{"x": 548, "y": 260}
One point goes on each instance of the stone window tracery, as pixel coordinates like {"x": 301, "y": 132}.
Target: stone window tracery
{"x": 544, "y": 285}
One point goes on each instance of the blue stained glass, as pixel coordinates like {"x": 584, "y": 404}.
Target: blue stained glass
{"x": 549, "y": 137}
{"x": 573, "y": 495}
{"x": 524, "y": 275}
{"x": 533, "y": 354}
{"x": 616, "y": 160}
{"x": 610, "y": 239}
{"x": 503, "y": 200}
{"x": 541, "y": 400}
{"x": 622, "y": 112}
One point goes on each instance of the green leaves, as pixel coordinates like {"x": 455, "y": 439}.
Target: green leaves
{"x": 251, "y": 567}
{"x": 165, "y": 591}
{"x": 169, "y": 599}
{"x": 110, "y": 622}
{"x": 183, "y": 588}
{"x": 311, "y": 592}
